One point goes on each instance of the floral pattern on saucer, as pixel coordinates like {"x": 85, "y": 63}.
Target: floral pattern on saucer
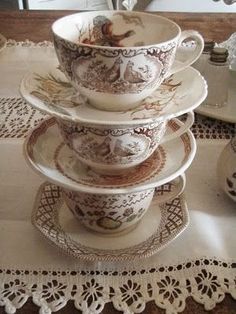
{"x": 46, "y": 218}
{"x": 55, "y": 92}
{"x": 179, "y": 94}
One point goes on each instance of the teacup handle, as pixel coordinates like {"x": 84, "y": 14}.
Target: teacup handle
{"x": 182, "y": 129}
{"x": 178, "y": 187}
{"x": 181, "y": 65}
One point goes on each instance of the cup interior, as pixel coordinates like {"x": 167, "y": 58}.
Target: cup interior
{"x": 115, "y": 28}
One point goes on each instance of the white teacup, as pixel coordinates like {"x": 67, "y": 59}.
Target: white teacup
{"x": 111, "y": 149}
{"x": 116, "y": 213}
{"x": 118, "y": 58}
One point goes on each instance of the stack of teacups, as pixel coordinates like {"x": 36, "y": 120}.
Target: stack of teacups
{"x": 116, "y": 59}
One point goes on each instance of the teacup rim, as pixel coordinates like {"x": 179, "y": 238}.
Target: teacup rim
{"x": 79, "y": 44}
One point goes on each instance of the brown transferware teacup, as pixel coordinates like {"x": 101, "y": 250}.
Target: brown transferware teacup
{"x": 118, "y": 58}
{"x": 111, "y": 149}
{"x": 111, "y": 213}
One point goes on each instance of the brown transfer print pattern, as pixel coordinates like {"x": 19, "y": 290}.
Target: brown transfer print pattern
{"x": 111, "y": 146}
{"x": 40, "y": 130}
{"x": 100, "y": 33}
{"x": 153, "y": 105}
{"x": 119, "y": 76}
{"x": 114, "y": 71}
{"x": 55, "y": 92}
{"x": 109, "y": 213}
{"x": 45, "y": 217}
{"x": 140, "y": 173}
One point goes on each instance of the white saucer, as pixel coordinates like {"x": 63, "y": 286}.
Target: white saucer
{"x": 49, "y": 91}
{"x": 226, "y": 113}
{"x": 160, "y": 226}
{"x": 47, "y": 154}
{"x": 3, "y": 42}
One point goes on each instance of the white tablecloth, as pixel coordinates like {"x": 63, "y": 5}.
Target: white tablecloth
{"x": 204, "y": 255}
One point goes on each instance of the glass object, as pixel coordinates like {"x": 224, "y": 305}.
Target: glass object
{"x": 203, "y": 59}
{"x": 216, "y": 73}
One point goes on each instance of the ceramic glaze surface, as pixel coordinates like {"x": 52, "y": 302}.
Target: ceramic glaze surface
{"x": 49, "y": 91}
{"x": 108, "y": 213}
{"x": 48, "y": 155}
{"x": 159, "y": 227}
{"x": 113, "y": 150}
{"x": 226, "y": 169}
{"x": 114, "y": 59}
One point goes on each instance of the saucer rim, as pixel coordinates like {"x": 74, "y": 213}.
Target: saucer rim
{"x": 161, "y": 117}
{"x": 106, "y": 255}
{"x": 72, "y": 185}
{"x": 212, "y": 113}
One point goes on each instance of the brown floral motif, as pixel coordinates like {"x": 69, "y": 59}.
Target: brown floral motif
{"x": 108, "y": 212}
{"x": 128, "y": 211}
{"x": 154, "y": 105}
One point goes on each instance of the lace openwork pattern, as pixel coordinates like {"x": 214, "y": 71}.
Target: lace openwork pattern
{"x": 28, "y": 43}
{"x": 205, "y": 280}
{"x": 17, "y": 118}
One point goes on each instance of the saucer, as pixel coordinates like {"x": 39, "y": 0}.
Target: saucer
{"x": 160, "y": 226}
{"x": 47, "y": 153}
{"x": 3, "y": 42}
{"x": 226, "y": 113}
{"x": 49, "y": 91}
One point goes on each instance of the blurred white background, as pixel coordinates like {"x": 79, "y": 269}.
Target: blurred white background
{"x": 150, "y": 5}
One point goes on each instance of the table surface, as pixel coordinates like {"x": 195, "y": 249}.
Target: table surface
{"x": 35, "y": 26}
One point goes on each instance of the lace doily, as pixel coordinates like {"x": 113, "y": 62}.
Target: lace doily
{"x": 28, "y": 43}
{"x": 206, "y": 280}
{"x": 17, "y": 118}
